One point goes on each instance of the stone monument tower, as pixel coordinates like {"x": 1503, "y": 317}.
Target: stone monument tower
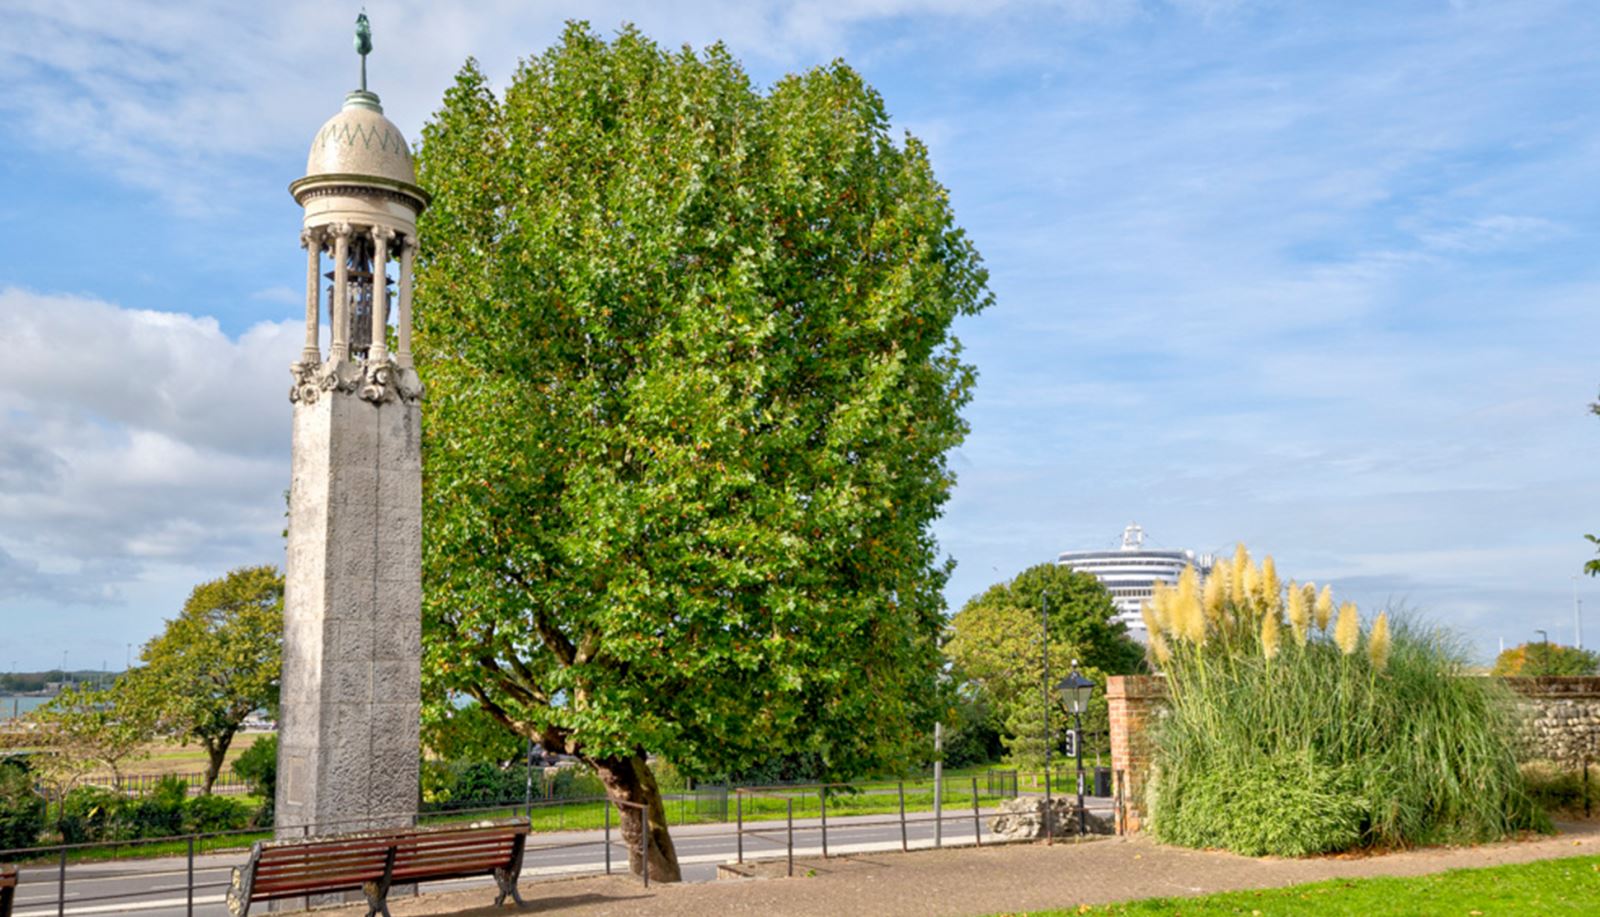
{"x": 347, "y": 754}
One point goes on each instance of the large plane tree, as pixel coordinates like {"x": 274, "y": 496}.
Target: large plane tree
{"x": 692, "y": 384}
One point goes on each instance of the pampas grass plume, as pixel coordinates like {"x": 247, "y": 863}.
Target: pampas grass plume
{"x": 1347, "y": 633}
{"x": 1299, "y": 613}
{"x": 1269, "y": 635}
{"x": 1236, "y": 576}
{"x": 1324, "y": 607}
{"x": 1378, "y": 642}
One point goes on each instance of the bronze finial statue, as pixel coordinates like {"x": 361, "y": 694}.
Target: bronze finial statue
{"x": 363, "y": 45}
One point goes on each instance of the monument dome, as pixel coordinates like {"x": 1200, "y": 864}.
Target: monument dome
{"x": 359, "y": 140}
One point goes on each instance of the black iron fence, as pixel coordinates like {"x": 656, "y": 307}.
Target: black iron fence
{"x": 767, "y": 822}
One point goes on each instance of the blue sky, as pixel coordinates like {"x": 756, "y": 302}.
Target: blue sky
{"x": 1320, "y": 277}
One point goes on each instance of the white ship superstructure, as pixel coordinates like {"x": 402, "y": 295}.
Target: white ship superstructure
{"x": 1131, "y": 573}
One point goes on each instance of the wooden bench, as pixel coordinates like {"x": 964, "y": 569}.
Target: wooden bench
{"x": 8, "y": 889}
{"x": 372, "y": 862}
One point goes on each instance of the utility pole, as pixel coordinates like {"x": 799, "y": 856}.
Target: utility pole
{"x": 1044, "y": 620}
{"x": 1577, "y": 615}
{"x": 938, "y": 784}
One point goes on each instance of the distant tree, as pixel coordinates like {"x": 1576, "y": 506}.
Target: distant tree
{"x": 994, "y": 642}
{"x": 1546, "y": 659}
{"x": 692, "y": 383}
{"x": 79, "y": 731}
{"x": 467, "y": 732}
{"x": 216, "y": 663}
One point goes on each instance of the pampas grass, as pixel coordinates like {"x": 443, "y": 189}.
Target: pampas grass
{"x": 1393, "y": 747}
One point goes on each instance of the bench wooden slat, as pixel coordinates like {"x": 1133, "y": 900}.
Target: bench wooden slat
{"x": 373, "y": 861}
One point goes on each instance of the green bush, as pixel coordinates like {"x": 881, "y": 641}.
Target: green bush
{"x": 90, "y": 813}
{"x": 1289, "y": 732}
{"x": 1287, "y": 808}
{"x": 214, "y": 814}
{"x": 257, "y": 766}
{"x": 21, "y": 806}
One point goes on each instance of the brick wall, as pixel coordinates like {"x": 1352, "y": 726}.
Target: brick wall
{"x": 1133, "y": 700}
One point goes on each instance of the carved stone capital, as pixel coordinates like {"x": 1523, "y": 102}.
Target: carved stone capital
{"x": 388, "y": 381}
{"x": 341, "y": 230}
{"x": 376, "y": 382}
{"x": 313, "y": 235}
{"x": 312, "y": 379}
{"x": 383, "y": 232}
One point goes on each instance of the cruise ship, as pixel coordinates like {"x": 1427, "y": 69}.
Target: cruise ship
{"x": 1130, "y": 573}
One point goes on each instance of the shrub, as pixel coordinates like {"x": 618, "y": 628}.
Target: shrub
{"x": 1333, "y": 735}
{"x": 21, "y": 806}
{"x": 90, "y": 813}
{"x": 258, "y": 767}
{"x": 1288, "y": 808}
{"x": 213, "y": 814}
{"x": 158, "y": 813}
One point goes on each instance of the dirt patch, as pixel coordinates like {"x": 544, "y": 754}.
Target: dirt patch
{"x": 986, "y": 880}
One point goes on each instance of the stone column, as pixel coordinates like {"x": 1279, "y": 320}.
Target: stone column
{"x": 1133, "y": 701}
{"x": 311, "y": 239}
{"x": 408, "y": 252}
{"x": 379, "y": 352}
{"x": 341, "y": 293}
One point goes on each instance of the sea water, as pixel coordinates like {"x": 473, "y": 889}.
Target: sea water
{"x": 19, "y": 706}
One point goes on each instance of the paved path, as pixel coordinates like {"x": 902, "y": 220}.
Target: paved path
{"x": 989, "y": 880}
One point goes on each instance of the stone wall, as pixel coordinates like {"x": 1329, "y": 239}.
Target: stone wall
{"x": 1560, "y": 718}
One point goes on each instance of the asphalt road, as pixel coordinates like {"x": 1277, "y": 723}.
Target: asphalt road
{"x": 159, "y": 887}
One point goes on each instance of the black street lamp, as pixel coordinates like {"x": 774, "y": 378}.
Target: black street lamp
{"x": 1076, "y": 691}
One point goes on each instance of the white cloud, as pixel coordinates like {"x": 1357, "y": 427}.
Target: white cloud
{"x": 131, "y": 435}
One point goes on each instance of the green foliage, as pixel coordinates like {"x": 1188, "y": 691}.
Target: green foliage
{"x": 1279, "y": 806}
{"x": 216, "y": 663}
{"x": 258, "y": 766}
{"x": 1593, "y": 567}
{"x": 692, "y": 385}
{"x": 469, "y": 733}
{"x": 21, "y": 806}
{"x": 92, "y": 814}
{"x": 994, "y": 648}
{"x": 1422, "y": 750}
{"x": 82, "y": 729}
{"x": 1541, "y": 658}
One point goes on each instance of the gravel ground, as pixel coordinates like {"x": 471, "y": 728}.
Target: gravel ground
{"x": 988, "y": 880}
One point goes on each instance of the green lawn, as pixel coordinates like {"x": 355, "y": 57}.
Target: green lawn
{"x": 1547, "y": 887}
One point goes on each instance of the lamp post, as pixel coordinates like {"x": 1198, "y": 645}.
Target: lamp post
{"x": 1044, "y": 621}
{"x": 1544, "y": 661}
{"x": 1076, "y": 691}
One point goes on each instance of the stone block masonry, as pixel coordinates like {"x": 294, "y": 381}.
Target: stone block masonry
{"x": 352, "y": 616}
{"x": 1559, "y": 718}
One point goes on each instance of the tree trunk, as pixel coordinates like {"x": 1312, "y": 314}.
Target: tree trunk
{"x": 630, "y": 780}
{"x": 216, "y": 751}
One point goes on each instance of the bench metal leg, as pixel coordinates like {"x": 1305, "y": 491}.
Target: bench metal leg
{"x": 378, "y": 892}
{"x": 7, "y": 895}
{"x": 508, "y": 876}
